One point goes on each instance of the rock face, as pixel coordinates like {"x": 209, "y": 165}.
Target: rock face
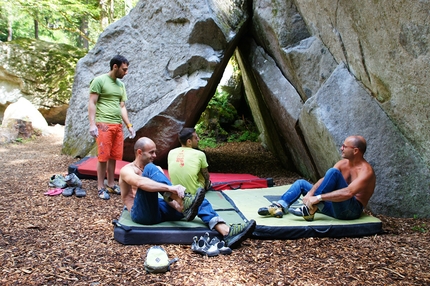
{"x": 40, "y": 72}
{"x": 178, "y": 52}
{"x": 314, "y": 73}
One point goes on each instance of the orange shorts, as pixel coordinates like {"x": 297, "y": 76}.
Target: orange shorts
{"x": 110, "y": 142}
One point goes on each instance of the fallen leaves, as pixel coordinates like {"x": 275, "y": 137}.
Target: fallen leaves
{"x": 58, "y": 240}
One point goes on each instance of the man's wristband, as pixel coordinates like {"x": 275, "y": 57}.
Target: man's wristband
{"x": 129, "y": 125}
{"x": 319, "y": 198}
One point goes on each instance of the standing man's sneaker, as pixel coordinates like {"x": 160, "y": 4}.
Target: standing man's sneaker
{"x": 192, "y": 204}
{"x": 238, "y": 233}
{"x": 103, "y": 194}
{"x": 275, "y": 210}
{"x": 113, "y": 190}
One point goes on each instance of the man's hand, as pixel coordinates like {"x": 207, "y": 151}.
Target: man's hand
{"x": 310, "y": 200}
{"x": 132, "y": 132}
{"x": 178, "y": 190}
{"x": 94, "y": 131}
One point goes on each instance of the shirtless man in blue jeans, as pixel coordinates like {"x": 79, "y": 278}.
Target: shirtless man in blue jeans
{"x": 140, "y": 182}
{"x": 342, "y": 193}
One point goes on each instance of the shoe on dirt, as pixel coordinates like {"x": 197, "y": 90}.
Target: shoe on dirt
{"x": 72, "y": 180}
{"x": 202, "y": 246}
{"x": 103, "y": 194}
{"x": 113, "y": 190}
{"x": 80, "y": 193}
{"x": 67, "y": 192}
{"x": 220, "y": 244}
{"x": 57, "y": 181}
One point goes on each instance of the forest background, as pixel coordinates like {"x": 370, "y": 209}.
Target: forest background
{"x": 74, "y": 22}
{"x": 79, "y": 23}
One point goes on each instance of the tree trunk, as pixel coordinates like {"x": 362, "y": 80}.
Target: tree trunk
{"x": 112, "y": 11}
{"x": 83, "y": 42}
{"x": 127, "y": 6}
{"x": 9, "y": 29}
{"x": 36, "y": 29}
{"x": 104, "y": 14}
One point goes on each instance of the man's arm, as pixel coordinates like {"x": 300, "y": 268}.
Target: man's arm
{"x": 92, "y": 113}
{"x": 206, "y": 176}
{"x": 309, "y": 197}
{"x": 128, "y": 176}
{"x": 362, "y": 185}
{"x": 124, "y": 115}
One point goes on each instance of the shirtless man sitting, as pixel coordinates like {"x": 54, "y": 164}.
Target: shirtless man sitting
{"x": 342, "y": 193}
{"x": 140, "y": 182}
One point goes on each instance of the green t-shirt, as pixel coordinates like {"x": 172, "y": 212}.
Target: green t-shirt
{"x": 111, "y": 93}
{"x": 184, "y": 165}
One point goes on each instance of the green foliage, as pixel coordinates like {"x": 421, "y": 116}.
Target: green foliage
{"x": 221, "y": 121}
{"x": 208, "y": 142}
{"x": 423, "y": 228}
{"x": 59, "y": 21}
{"x": 420, "y": 228}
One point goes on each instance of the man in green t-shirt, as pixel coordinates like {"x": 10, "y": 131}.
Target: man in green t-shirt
{"x": 106, "y": 111}
{"x": 188, "y": 167}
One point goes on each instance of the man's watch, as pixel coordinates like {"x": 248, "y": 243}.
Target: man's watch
{"x": 319, "y": 198}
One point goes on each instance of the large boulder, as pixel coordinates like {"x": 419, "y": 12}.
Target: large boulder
{"x": 177, "y": 53}
{"x": 314, "y": 72}
{"x": 387, "y": 50}
{"x": 40, "y": 72}
{"x": 332, "y": 115}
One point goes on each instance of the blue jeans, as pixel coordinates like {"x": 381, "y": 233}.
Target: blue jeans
{"x": 149, "y": 209}
{"x": 333, "y": 180}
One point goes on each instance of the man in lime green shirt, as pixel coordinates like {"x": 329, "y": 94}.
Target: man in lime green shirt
{"x": 188, "y": 167}
{"x": 106, "y": 111}
{"x": 187, "y": 164}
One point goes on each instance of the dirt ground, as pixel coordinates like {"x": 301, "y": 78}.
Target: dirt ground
{"x": 69, "y": 241}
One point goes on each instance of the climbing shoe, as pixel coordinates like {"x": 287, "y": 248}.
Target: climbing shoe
{"x": 238, "y": 233}
{"x": 274, "y": 210}
{"x": 192, "y": 203}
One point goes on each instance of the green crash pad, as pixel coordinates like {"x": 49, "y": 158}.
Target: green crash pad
{"x": 238, "y": 206}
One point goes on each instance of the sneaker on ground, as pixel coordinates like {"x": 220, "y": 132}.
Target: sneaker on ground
{"x": 67, "y": 192}
{"x": 238, "y": 233}
{"x": 220, "y": 244}
{"x": 72, "y": 180}
{"x": 79, "y": 192}
{"x": 275, "y": 210}
{"x": 114, "y": 190}
{"x": 103, "y": 194}
{"x": 57, "y": 181}
{"x": 192, "y": 204}
{"x": 203, "y": 247}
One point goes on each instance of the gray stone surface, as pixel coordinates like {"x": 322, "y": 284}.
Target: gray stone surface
{"x": 283, "y": 105}
{"x": 314, "y": 72}
{"x": 332, "y": 115}
{"x": 177, "y": 53}
{"x": 385, "y": 45}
